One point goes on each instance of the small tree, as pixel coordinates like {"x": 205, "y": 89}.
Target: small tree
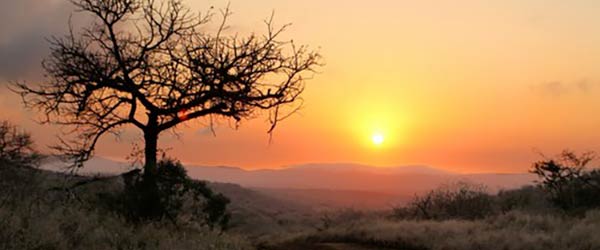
{"x": 570, "y": 185}
{"x": 568, "y": 166}
{"x": 16, "y": 146}
{"x": 150, "y": 65}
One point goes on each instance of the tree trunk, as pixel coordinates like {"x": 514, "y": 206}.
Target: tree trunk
{"x": 150, "y": 151}
{"x": 151, "y": 148}
{"x": 150, "y": 196}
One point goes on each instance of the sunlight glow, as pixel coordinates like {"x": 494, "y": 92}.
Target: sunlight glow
{"x": 378, "y": 138}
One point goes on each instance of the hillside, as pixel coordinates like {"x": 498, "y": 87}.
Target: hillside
{"x": 45, "y": 210}
{"x": 248, "y": 207}
{"x": 331, "y": 199}
{"x": 256, "y": 214}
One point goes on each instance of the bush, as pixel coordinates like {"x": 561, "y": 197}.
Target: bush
{"x": 531, "y": 199}
{"x": 330, "y": 219}
{"x": 455, "y": 201}
{"x": 171, "y": 195}
{"x": 567, "y": 182}
{"x": 17, "y": 161}
{"x": 36, "y": 215}
{"x": 16, "y": 146}
{"x": 579, "y": 195}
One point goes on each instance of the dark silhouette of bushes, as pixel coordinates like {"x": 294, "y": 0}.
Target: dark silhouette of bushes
{"x": 529, "y": 199}
{"x": 171, "y": 195}
{"x": 34, "y": 218}
{"x": 566, "y": 185}
{"x": 455, "y": 201}
{"x": 46, "y": 210}
{"x": 567, "y": 181}
{"x": 18, "y": 160}
{"x": 16, "y": 146}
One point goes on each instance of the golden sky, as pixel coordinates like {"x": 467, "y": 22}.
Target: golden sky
{"x": 468, "y": 86}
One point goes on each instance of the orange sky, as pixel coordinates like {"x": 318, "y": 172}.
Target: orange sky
{"x": 468, "y": 86}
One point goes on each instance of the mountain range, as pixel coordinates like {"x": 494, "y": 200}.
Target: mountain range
{"x": 330, "y": 185}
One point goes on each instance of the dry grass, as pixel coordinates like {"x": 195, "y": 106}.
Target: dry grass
{"x": 512, "y": 231}
{"x": 32, "y": 217}
{"x": 68, "y": 228}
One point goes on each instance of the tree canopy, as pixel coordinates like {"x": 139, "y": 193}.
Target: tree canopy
{"x": 154, "y": 65}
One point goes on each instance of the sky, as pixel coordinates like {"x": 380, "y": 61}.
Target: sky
{"x": 466, "y": 86}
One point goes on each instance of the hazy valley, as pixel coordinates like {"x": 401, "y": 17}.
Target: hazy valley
{"x": 330, "y": 186}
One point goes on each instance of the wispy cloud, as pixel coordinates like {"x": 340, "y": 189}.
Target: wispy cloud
{"x": 561, "y": 88}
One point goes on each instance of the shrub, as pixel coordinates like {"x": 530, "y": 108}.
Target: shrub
{"x": 16, "y": 146}
{"x": 333, "y": 218}
{"x": 172, "y": 195}
{"x": 73, "y": 225}
{"x": 455, "y": 201}
{"x": 17, "y": 161}
{"x": 567, "y": 182}
{"x": 532, "y": 199}
{"x": 36, "y": 215}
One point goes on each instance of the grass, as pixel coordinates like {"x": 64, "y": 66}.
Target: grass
{"x": 33, "y": 217}
{"x": 511, "y": 231}
{"x": 74, "y": 228}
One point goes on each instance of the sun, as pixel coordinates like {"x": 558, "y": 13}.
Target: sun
{"x": 377, "y": 139}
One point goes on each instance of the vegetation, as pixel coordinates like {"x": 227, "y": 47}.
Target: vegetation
{"x": 46, "y": 210}
{"x": 36, "y": 215}
{"x": 511, "y": 231}
{"x": 565, "y": 186}
{"x": 455, "y": 201}
{"x": 152, "y": 65}
{"x": 16, "y": 146}
{"x": 179, "y": 198}
{"x": 569, "y": 184}
{"x": 456, "y": 217}
{"x": 559, "y": 213}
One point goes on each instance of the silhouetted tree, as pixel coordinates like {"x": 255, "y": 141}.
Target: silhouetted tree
{"x": 570, "y": 185}
{"x": 150, "y": 64}
{"x": 566, "y": 167}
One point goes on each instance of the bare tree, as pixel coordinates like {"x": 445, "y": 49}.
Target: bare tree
{"x": 566, "y": 167}
{"x": 150, "y": 64}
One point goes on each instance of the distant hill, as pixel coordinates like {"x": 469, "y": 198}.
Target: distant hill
{"x": 96, "y": 165}
{"x": 402, "y": 180}
{"x": 325, "y": 186}
{"x": 342, "y": 167}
